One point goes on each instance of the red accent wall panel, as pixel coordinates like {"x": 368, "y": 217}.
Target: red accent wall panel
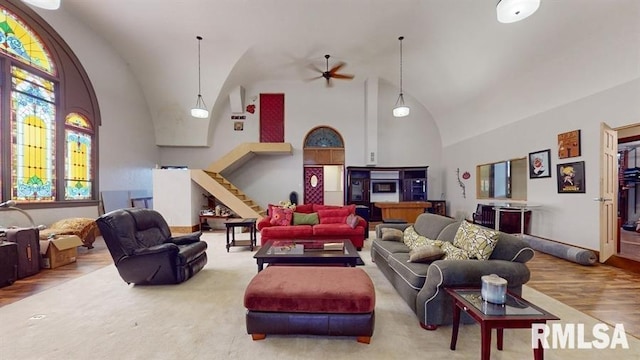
{"x": 271, "y": 117}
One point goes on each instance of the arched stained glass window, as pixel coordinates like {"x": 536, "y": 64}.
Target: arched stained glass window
{"x": 33, "y": 127}
{"x": 51, "y": 144}
{"x": 323, "y": 136}
{"x": 79, "y": 139}
{"x": 18, "y": 41}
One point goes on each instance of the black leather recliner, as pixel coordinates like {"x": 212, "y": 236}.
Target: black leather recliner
{"x": 143, "y": 250}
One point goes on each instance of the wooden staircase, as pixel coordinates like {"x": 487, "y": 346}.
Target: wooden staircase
{"x": 224, "y": 191}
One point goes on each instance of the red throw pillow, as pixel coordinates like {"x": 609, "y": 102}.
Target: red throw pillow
{"x": 281, "y": 217}
{"x": 304, "y": 208}
{"x": 333, "y": 216}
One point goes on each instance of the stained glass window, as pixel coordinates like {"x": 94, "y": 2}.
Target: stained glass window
{"x": 78, "y": 177}
{"x": 50, "y": 144}
{"x": 18, "y": 41}
{"x": 33, "y": 115}
{"x": 323, "y": 137}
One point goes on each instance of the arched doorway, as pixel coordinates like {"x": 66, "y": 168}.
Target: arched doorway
{"x": 323, "y": 154}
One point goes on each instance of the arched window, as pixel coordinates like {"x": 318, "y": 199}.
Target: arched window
{"x": 50, "y": 144}
{"x": 78, "y": 147}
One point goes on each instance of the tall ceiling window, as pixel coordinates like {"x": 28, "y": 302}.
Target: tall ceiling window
{"x": 48, "y": 145}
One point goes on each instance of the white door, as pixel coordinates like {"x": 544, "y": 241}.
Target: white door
{"x": 608, "y": 192}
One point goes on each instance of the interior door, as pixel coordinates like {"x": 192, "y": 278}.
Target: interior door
{"x": 313, "y": 185}
{"x": 608, "y": 191}
{"x": 271, "y": 117}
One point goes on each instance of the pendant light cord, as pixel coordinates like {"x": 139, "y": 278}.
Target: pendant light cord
{"x": 199, "y": 39}
{"x": 401, "y": 38}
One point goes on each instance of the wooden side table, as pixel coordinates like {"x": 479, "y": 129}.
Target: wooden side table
{"x": 516, "y": 313}
{"x": 233, "y": 223}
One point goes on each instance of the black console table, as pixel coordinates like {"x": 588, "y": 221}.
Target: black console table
{"x": 233, "y": 223}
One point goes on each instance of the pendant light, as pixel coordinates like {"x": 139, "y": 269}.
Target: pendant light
{"x": 400, "y": 109}
{"x": 200, "y": 110}
{"x": 515, "y": 10}
{"x": 44, "y": 4}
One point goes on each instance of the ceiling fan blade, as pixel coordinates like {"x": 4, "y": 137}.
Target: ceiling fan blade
{"x": 314, "y": 68}
{"x": 313, "y": 78}
{"x": 337, "y": 67}
{"x": 342, "y": 76}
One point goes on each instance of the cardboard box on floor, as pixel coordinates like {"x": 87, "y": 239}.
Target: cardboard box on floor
{"x": 60, "y": 250}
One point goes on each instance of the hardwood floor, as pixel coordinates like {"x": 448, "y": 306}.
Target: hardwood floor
{"x": 629, "y": 244}
{"x": 604, "y": 292}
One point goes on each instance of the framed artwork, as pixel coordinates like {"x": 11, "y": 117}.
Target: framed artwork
{"x": 238, "y": 125}
{"x": 540, "y": 164}
{"x": 569, "y": 144}
{"x": 571, "y": 177}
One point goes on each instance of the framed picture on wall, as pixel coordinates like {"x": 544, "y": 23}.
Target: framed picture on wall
{"x": 569, "y": 144}
{"x": 238, "y": 126}
{"x": 571, "y": 177}
{"x": 540, "y": 164}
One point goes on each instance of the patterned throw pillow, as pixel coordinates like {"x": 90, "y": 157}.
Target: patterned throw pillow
{"x": 281, "y": 217}
{"x": 425, "y": 253}
{"x": 413, "y": 240}
{"x": 479, "y": 242}
{"x": 410, "y": 236}
{"x": 391, "y": 234}
{"x": 453, "y": 253}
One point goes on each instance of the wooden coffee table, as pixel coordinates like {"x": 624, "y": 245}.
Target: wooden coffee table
{"x": 516, "y": 313}
{"x": 306, "y": 252}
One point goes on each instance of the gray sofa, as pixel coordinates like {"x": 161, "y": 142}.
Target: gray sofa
{"x": 421, "y": 285}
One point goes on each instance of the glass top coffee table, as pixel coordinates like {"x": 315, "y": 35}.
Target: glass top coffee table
{"x": 307, "y": 252}
{"x": 515, "y": 313}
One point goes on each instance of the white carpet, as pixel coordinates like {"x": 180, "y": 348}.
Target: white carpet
{"x": 98, "y": 316}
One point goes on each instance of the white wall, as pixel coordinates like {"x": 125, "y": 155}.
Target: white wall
{"x": 270, "y": 179}
{"x": 127, "y": 150}
{"x": 176, "y": 197}
{"x": 569, "y": 218}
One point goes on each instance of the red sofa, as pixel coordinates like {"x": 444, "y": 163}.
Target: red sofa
{"x": 332, "y": 225}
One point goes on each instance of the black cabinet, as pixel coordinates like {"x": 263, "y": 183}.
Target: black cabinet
{"x": 438, "y": 207}
{"x": 366, "y": 185}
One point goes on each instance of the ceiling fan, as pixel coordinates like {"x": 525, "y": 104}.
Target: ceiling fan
{"x": 331, "y": 73}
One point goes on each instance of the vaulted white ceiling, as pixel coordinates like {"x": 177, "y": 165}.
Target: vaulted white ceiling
{"x": 471, "y": 72}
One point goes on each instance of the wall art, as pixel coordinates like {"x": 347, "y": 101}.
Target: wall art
{"x": 540, "y": 164}
{"x": 569, "y": 144}
{"x": 571, "y": 178}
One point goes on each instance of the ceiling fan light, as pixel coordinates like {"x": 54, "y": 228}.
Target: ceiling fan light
{"x": 509, "y": 11}
{"x": 44, "y": 4}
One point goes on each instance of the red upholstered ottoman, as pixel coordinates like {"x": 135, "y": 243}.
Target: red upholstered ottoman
{"x": 314, "y": 300}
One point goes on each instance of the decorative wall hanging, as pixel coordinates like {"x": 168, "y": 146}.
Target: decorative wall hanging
{"x": 251, "y": 108}
{"x": 540, "y": 164}
{"x": 466, "y": 175}
{"x": 571, "y": 177}
{"x": 238, "y": 125}
{"x": 569, "y": 144}
{"x": 464, "y": 194}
